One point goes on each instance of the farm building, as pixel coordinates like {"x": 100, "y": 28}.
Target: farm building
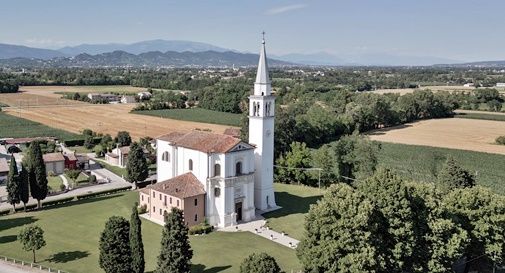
{"x": 127, "y": 99}
{"x": 107, "y": 97}
{"x": 144, "y": 95}
{"x": 55, "y": 163}
{"x": 118, "y": 156}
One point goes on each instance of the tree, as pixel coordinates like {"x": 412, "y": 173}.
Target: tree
{"x": 176, "y": 252}
{"x": 13, "y": 184}
{"x": 325, "y": 159}
{"x": 482, "y": 214}
{"x": 387, "y": 192}
{"x": 32, "y": 239}
{"x": 115, "y": 252}
{"x": 452, "y": 176}
{"x": 136, "y": 245}
{"x": 356, "y": 157}
{"x": 137, "y": 169}
{"x": 24, "y": 186}
{"x": 259, "y": 263}
{"x": 36, "y": 173}
{"x": 291, "y": 165}
{"x": 123, "y": 138}
{"x": 73, "y": 174}
{"x": 343, "y": 233}
{"x": 88, "y": 141}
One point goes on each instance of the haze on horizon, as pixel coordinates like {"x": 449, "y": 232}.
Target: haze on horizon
{"x": 463, "y": 30}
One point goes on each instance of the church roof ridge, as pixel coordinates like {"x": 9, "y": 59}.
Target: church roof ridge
{"x": 207, "y": 142}
{"x": 181, "y": 186}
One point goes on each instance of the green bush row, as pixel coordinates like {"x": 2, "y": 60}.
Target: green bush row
{"x": 201, "y": 229}
{"x": 80, "y": 142}
{"x": 100, "y": 193}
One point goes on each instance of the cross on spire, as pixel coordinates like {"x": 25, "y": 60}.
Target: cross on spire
{"x": 263, "y": 34}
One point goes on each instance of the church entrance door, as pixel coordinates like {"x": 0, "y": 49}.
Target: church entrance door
{"x": 238, "y": 211}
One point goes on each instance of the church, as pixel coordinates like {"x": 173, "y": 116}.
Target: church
{"x": 217, "y": 177}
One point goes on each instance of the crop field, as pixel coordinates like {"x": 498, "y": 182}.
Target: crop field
{"x": 24, "y": 100}
{"x": 197, "y": 115}
{"x": 72, "y": 233}
{"x": 13, "y": 126}
{"x": 453, "y": 133}
{"x": 53, "y": 90}
{"x": 422, "y": 164}
{"x": 108, "y": 119}
{"x": 450, "y": 88}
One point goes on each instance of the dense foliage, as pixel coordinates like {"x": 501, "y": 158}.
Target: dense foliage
{"x": 137, "y": 169}
{"x": 453, "y": 176}
{"x": 32, "y": 239}
{"x": 13, "y": 184}
{"x": 36, "y": 172}
{"x": 115, "y": 252}
{"x": 259, "y": 263}
{"x": 136, "y": 244}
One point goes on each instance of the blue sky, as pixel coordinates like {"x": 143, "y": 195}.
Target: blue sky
{"x": 456, "y": 29}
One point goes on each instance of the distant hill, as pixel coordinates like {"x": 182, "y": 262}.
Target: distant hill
{"x": 16, "y": 51}
{"x": 142, "y": 47}
{"x": 476, "y": 64}
{"x": 149, "y": 59}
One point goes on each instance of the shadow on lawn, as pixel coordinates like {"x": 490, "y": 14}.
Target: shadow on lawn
{"x": 291, "y": 204}
{"x": 16, "y": 222}
{"x": 68, "y": 256}
{"x": 8, "y": 239}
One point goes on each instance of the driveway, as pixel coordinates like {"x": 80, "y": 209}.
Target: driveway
{"x": 10, "y": 268}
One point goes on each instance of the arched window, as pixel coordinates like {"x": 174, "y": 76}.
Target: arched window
{"x": 238, "y": 168}
{"x": 217, "y": 170}
{"x": 217, "y": 192}
{"x": 165, "y": 157}
{"x": 196, "y": 217}
{"x": 190, "y": 164}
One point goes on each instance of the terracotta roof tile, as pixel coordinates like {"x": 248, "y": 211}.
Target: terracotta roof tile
{"x": 53, "y": 157}
{"x": 70, "y": 157}
{"x": 182, "y": 186}
{"x": 234, "y": 132}
{"x": 202, "y": 141}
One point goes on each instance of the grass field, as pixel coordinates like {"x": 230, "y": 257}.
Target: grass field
{"x": 121, "y": 172}
{"x": 197, "y": 115}
{"x": 54, "y": 182}
{"x": 490, "y": 116}
{"x": 295, "y": 202}
{"x": 422, "y": 163}
{"x": 11, "y": 126}
{"x": 72, "y": 233}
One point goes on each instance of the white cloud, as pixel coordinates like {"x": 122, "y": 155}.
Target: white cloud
{"x": 283, "y": 9}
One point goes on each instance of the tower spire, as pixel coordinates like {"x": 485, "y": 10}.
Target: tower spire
{"x": 262, "y": 84}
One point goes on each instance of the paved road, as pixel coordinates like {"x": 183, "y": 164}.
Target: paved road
{"x": 10, "y": 268}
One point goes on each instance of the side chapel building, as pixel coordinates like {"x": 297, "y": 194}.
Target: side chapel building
{"x": 218, "y": 177}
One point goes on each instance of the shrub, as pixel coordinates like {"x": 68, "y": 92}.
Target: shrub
{"x": 500, "y": 140}
{"x": 202, "y": 228}
{"x": 142, "y": 209}
{"x": 100, "y": 193}
{"x": 62, "y": 187}
{"x": 92, "y": 179}
{"x": 51, "y": 173}
{"x": 58, "y": 201}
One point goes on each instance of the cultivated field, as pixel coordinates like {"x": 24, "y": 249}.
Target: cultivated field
{"x": 453, "y": 133}
{"x": 451, "y": 88}
{"x": 26, "y": 99}
{"x": 12, "y": 126}
{"x": 108, "y": 119}
{"x": 196, "y": 114}
{"x": 51, "y": 90}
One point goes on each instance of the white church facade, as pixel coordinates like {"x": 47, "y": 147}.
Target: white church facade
{"x": 234, "y": 178}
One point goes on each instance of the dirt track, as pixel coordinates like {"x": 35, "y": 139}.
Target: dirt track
{"x": 454, "y": 133}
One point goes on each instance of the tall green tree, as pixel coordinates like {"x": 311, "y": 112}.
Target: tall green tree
{"x": 136, "y": 244}
{"x": 291, "y": 164}
{"x": 24, "y": 186}
{"x": 37, "y": 173}
{"x": 356, "y": 157}
{"x": 32, "y": 239}
{"x": 259, "y": 263}
{"x": 115, "y": 253}
{"x": 176, "y": 252}
{"x": 123, "y": 138}
{"x": 325, "y": 159}
{"x": 387, "y": 192}
{"x": 13, "y": 184}
{"x": 137, "y": 169}
{"x": 344, "y": 232}
{"x": 453, "y": 176}
{"x": 482, "y": 214}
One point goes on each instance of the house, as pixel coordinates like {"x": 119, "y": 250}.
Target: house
{"x": 128, "y": 99}
{"x": 118, "y": 156}
{"x": 4, "y": 169}
{"x": 236, "y": 177}
{"x": 144, "y": 95}
{"x": 105, "y": 97}
{"x": 82, "y": 162}
{"x": 184, "y": 192}
{"x": 70, "y": 161}
{"x": 55, "y": 163}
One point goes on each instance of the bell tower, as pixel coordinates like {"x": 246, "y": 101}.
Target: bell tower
{"x": 261, "y": 134}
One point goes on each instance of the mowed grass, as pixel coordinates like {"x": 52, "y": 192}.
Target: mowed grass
{"x": 422, "y": 163}
{"x": 195, "y": 114}
{"x": 490, "y": 116}
{"x": 295, "y": 202}
{"x": 11, "y": 126}
{"x": 72, "y": 233}
{"x": 54, "y": 183}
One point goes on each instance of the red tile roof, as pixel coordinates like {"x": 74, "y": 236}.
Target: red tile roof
{"x": 182, "y": 186}
{"x": 70, "y": 157}
{"x": 53, "y": 157}
{"x": 202, "y": 141}
{"x": 234, "y": 132}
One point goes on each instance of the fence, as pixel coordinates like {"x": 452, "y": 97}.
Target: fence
{"x": 30, "y": 265}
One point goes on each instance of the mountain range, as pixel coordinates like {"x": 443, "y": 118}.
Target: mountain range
{"x": 184, "y": 53}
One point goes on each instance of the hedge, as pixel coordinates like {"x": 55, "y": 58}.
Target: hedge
{"x": 200, "y": 229}
{"x": 80, "y": 142}
{"x": 100, "y": 193}
{"x": 57, "y": 201}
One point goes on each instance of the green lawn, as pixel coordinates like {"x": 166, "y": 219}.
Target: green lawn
{"x": 80, "y": 149}
{"x": 196, "y": 114}
{"x": 295, "y": 202}
{"x": 72, "y": 233}
{"x": 12, "y": 126}
{"x": 422, "y": 163}
{"x": 115, "y": 169}
{"x": 483, "y": 116}
{"x": 54, "y": 182}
